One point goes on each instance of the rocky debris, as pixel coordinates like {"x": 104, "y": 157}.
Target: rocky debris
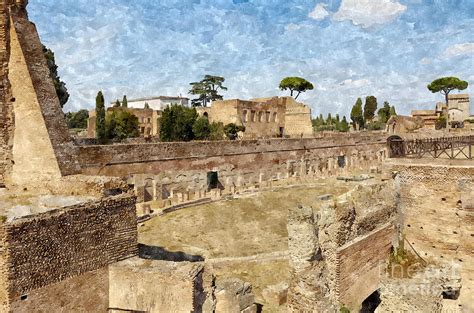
{"x": 325, "y": 197}
{"x": 276, "y": 294}
{"x": 356, "y": 178}
{"x": 233, "y": 295}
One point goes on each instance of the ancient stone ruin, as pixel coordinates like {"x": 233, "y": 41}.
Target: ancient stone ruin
{"x": 322, "y": 224}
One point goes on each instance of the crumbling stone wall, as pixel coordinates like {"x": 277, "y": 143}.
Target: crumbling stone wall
{"x": 437, "y": 206}
{"x": 336, "y": 255}
{"x": 28, "y": 100}
{"x": 6, "y": 112}
{"x": 123, "y": 160}
{"x": 47, "y": 248}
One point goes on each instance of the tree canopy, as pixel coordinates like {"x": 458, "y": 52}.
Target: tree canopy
{"x": 445, "y": 85}
{"x": 207, "y": 90}
{"x": 370, "y": 107}
{"x": 295, "y": 84}
{"x": 59, "y": 85}
{"x": 124, "y": 102}
{"x": 357, "y": 116}
{"x": 121, "y": 124}
{"x": 100, "y": 116}
{"x": 77, "y": 119}
{"x": 176, "y": 123}
{"x": 384, "y": 112}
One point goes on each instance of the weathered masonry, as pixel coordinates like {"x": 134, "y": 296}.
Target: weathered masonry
{"x": 58, "y": 255}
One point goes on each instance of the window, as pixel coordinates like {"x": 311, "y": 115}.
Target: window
{"x": 260, "y": 117}
{"x": 244, "y": 116}
{"x": 267, "y": 117}
{"x": 149, "y": 120}
{"x": 274, "y": 117}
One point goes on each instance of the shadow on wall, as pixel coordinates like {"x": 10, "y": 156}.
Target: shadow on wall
{"x": 159, "y": 253}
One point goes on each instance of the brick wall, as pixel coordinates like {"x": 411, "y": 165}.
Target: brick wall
{"x": 47, "y": 248}
{"x": 122, "y": 160}
{"x": 360, "y": 264}
{"x": 6, "y": 118}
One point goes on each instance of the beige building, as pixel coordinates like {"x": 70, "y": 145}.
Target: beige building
{"x": 147, "y": 121}
{"x": 156, "y": 103}
{"x": 459, "y": 111}
{"x": 263, "y": 117}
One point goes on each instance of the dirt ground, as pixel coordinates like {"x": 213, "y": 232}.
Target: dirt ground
{"x": 244, "y": 226}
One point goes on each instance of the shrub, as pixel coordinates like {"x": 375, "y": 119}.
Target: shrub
{"x": 376, "y": 126}
{"x": 232, "y": 129}
{"x": 121, "y": 124}
{"x": 440, "y": 123}
{"x": 201, "y": 129}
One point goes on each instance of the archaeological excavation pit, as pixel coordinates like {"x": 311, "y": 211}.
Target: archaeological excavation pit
{"x": 244, "y": 236}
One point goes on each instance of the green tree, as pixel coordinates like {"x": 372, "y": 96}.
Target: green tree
{"x": 217, "y": 131}
{"x": 207, "y": 90}
{"x": 77, "y": 120}
{"x": 202, "y": 129}
{"x": 176, "y": 123}
{"x": 100, "y": 116}
{"x": 329, "y": 119}
{"x": 369, "y": 108}
{"x": 124, "y": 102}
{"x": 445, "y": 85}
{"x": 392, "y": 111}
{"x": 295, "y": 84}
{"x": 357, "y": 115}
{"x": 121, "y": 124}
{"x": 146, "y": 106}
{"x": 343, "y": 125}
{"x": 59, "y": 85}
{"x": 231, "y": 130}
{"x": 117, "y": 104}
{"x": 384, "y": 112}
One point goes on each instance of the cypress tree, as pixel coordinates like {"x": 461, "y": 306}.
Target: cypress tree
{"x": 357, "y": 116}
{"x": 343, "y": 125}
{"x": 100, "y": 116}
{"x": 124, "y": 102}
{"x": 392, "y": 111}
{"x": 370, "y": 107}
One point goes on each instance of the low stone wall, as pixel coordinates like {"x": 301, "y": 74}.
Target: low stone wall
{"x": 47, "y": 248}
{"x": 158, "y": 286}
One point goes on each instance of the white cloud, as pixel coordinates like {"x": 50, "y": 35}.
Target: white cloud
{"x": 319, "y": 12}
{"x": 354, "y": 83}
{"x": 292, "y": 27}
{"x": 425, "y": 61}
{"x": 369, "y": 12}
{"x": 459, "y": 49}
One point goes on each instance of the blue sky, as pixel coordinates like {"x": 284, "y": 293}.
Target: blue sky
{"x": 347, "y": 48}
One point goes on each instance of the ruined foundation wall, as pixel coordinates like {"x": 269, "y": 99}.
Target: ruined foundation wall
{"x": 153, "y": 286}
{"x": 361, "y": 264}
{"x": 437, "y": 206}
{"x": 88, "y": 292}
{"x": 122, "y": 160}
{"x": 354, "y": 235}
{"x": 47, "y": 248}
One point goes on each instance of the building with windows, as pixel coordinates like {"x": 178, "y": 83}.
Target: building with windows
{"x": 147, "y": 121}
{"x": 156, "y": 103}
{"x": 263, "y": 117}
{"x": 458, "y": 111}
